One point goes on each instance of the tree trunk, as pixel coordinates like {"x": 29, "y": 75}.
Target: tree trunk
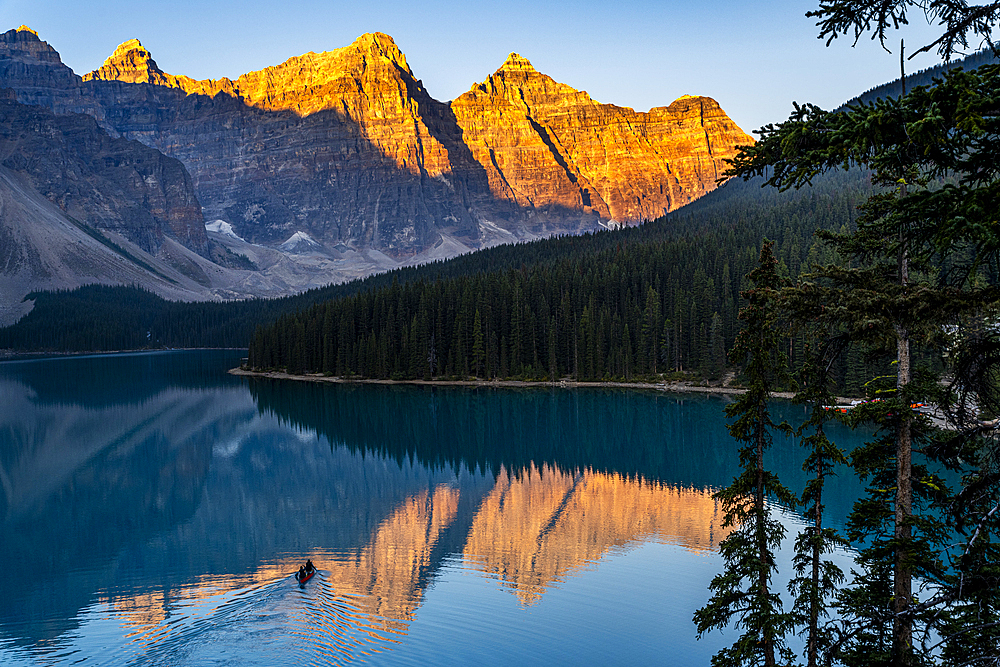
{"x": 814, "y": 604}
{"x": 902, "y": 576}
{"x": 902, "y": 585}
{"x": 765, "y": 555}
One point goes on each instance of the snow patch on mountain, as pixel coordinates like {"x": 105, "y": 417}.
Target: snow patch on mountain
{"x": 222, "y": 227}
{"x": 300, "y": 242}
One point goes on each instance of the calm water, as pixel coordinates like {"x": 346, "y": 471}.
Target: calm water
{"x": 154, "y": 509}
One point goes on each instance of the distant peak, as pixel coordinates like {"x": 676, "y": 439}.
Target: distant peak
{"x": 379, "y": 38}
{"x": 517, "y": 62}
{"x": 22, "y": 34}
{"x": 26, "y": 44}
{"x": 381, "y": 44}
{"x": 130, "y": 63}
{"x": 125, "y": 47}
{"x": 707, "y": 103}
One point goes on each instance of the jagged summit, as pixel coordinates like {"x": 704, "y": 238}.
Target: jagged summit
{"x": 305, "y": 84}
{"x": 23, "y": 45}
{"x": 517, "y": 62}
{"x": 130, "y": 45}
{"x": 25, "y": 38}
{"x": 130, "y": 63}
{"x": 380, "y": 44}
{"x": 520, "y": 83}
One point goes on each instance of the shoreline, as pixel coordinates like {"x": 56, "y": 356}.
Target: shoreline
{"x": 677, "y": 386}
{"x": 11, "y": 355}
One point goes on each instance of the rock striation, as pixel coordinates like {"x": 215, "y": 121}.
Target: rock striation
{"x": 131, "y": 63}
{"x": 106, "y": 183}
{"x": 544, "y": 144}
{"x": 349, "y": 148}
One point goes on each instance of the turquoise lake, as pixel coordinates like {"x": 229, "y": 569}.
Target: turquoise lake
{"x": 154, "y": 509}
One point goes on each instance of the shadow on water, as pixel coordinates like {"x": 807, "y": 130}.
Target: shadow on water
{"x": 106, "y": 380}
{"x": 674, "y": 439}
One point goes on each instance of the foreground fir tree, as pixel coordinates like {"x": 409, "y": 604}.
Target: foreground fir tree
{"x": 967, "y": 599}
{"x": 816, "y": 578}
{"x": 875, "y": 627}
{"x": 743, "y": 595}
{"x": 914, "y": 272}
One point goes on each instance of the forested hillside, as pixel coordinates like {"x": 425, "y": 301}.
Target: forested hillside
{"x": 637, "y": 303}
{"x": 925, "y": 77}
{"x": 719, "y": 230}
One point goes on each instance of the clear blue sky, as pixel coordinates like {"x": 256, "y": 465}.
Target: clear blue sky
{"x": 754, "y": 58}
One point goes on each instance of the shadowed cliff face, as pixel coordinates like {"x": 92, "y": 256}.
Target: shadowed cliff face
{"x": 344, "y": 145}
{"x": 113, "y": 184}
{"x": 349, "y": 147}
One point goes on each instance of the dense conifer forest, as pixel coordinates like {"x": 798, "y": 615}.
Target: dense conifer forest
{"x": 625, "y": 304}
{"x": 638, "y": 303}
{"x": 925, "y": 77}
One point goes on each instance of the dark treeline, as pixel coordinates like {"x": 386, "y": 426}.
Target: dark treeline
{"x": 101, "y": 318}
{"x": 925, "y": 77}
{"x": 659, "y": 299}
{"x": 104, "y": 318}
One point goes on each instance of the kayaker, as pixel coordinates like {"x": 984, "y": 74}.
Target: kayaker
{"x": 309, "y": 566}
{"x": 302, "y": 572}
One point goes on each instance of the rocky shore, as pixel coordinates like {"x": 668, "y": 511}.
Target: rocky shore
{"x": 678, "y": 386}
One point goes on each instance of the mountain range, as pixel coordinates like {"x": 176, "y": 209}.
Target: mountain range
{"x": 324, "y": 168}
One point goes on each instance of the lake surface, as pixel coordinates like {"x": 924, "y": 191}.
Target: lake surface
{"x": 154, "y": 509}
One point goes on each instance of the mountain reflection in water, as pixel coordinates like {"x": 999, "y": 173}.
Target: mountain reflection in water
{"x": 159, "y": 520}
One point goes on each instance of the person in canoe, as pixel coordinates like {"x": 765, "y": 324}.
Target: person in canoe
{"x": 305, "y": 572}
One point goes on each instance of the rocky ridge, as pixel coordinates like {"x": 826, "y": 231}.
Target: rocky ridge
{"x": 79, "y": 207}
{"x": 348, "y": 147}
{"x": 305, "y": 84}
{"x": 544, "y": 143}
{"x": 110, "y": 183}
{"x": 131, "y": 63}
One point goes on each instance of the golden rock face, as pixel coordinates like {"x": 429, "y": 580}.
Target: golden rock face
{"x": 130, "y": 63}
{"x": 543, "y": 144}
{"x": 348, "y": 146}
{"x": 304, "y": 84}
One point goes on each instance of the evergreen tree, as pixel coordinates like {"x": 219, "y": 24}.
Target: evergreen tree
{"x": 743, "y": 593}
{"x": 912, "y": 274}
{"x": 478, "y": 352}
{"x": 816, "y": 580}
{"x": 717, "y": 349}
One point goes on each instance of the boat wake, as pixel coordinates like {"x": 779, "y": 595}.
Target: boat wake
{"x": 275, "y": 623}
